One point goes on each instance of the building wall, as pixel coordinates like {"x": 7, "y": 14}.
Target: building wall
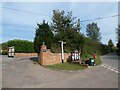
{"x": 19, "y": 55}
{"x": 46, "y": 57}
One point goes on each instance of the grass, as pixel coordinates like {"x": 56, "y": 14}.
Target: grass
{"x": 98, "y": 60}
{"x": 71, "y": 66}
{"x": 66, "y": 66}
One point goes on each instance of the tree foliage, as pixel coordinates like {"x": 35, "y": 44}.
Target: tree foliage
{"x": 93, "y": 32}
{"x": 118, "y": 46}
{"x": 4, "y": 46}
{"x": 104, "y": 49}
{"x": 110, "y": 43}
{"x": 65, "y": 27}
{"x": 118, "y": 32}
{"x": 21, "y": 46}
{"x": 61, "y": 22}
{"x": 43, "y": 34}
{"x": 111, "y": 46}
{"x": 90, "y": 47}
{"x": 118, "y": 35}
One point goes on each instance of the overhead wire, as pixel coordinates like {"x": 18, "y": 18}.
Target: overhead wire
{"x": 26, "y": 11}
{"x": 81, "y": 22}
{"x": 99, "y": 18}
{"x": 50, "y": 16}
{"x": 83, "y": 26}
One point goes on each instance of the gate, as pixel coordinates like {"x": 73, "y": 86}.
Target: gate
{"x": 11, "y": 51}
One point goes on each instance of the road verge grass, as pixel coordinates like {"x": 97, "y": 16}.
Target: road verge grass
{"x": 71, "y": 66}
{"x": 98, "y": 60}
{"x": 66, "y": 66}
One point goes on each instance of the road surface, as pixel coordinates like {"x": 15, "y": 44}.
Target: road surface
{"x": 111, "y": 60}
{"x": 23, "y": 73}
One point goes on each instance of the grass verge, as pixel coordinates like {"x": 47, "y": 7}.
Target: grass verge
{"x": 66, "y": 66}
{"x": 98, "y": 60}
{"x": 71, "y": 66}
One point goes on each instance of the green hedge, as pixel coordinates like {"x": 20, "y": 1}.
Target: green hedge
{"x": 21, "y": 46}
{"x": 4, "y": 52}
{"x": 104, "y": 49}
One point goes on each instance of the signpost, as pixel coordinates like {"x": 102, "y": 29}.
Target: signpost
{"x": 62, "y": 53}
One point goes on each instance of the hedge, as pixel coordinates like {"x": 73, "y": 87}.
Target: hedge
{"x": 21, "y": 46}
{"x": 4, "y": 52}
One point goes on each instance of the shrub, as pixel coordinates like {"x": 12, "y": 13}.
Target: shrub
{"x": 104, "y": 49}
{"x": 55, "y": 48}
{"x": 21, "y": 46}
{"x": 4, "y": 52}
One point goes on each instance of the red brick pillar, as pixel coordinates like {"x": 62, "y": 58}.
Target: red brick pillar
{"x": 41, "y": 54}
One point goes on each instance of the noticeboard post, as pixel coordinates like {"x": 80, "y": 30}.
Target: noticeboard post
{"x": 11, "y": 51}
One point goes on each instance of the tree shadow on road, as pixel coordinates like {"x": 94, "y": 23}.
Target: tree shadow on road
{"x": 34, "y": 60}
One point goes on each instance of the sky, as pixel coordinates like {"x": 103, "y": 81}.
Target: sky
{"x": 21, "y": 22}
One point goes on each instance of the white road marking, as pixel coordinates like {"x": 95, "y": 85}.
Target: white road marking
{"x": 110, "y": 68}
{"x": 105, "y": 65}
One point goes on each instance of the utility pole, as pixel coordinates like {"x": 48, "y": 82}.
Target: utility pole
{"x": 62, "y": 53}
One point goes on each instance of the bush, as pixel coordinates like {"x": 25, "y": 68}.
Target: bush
{"x": 98, "y": 60}
{"x": 85, "y": 56}
{"x": 89, "y": 48}
{"x": 104, "y": 49}
{"x": 4, "y": 52}
{"x": 114, "y": 49}
{"x": 56, "y": 48}
{"x": 21, "y": 46}
{"x": 118, "y": 46}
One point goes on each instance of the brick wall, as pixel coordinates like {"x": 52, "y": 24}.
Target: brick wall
{"x": 19, "y": 55}
{"x": 48, "y": 58}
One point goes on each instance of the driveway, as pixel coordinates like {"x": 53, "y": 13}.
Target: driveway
{"x": 23, "y": 73}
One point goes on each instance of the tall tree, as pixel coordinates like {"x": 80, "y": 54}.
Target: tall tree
{"x": 118, "y": 32}
{"x": 93, "y": 32}
{"x": 118, "y": 35}
{"x": 66, "y": 27}
{"x": 61, "y": 22}
{"x": 111, "y": 45}
{"x": 43, "y": 34}
{"x": 57, "y": 21}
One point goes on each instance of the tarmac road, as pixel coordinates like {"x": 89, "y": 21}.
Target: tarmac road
{"x": 23, "y": 73}
{"x": 111, "y": 60}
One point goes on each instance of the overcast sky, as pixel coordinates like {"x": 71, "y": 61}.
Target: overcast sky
{"x": 21, "y": 24}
